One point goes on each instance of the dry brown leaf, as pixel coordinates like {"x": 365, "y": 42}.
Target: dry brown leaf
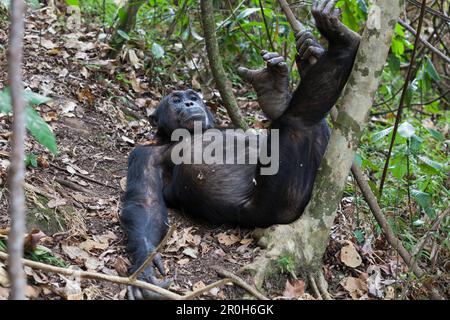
{"x": 183, "y": 262}
{"x": 32, "y": 292}
{"x": 92, "y": 263}
{"x": 32, "y": 239}
{"x": 123, "y": 183}
{"x": 48, "y": 44}
{"x": 135, "y": 83}
{"x": 89, "y": 245}
{"x": 294, "y": 290}
{"x": 199, "y": 285}
{"x": 355, "y": 287}
{"x": 72, "y": 290}
{"x": 4, "y": 278}
{"x": 191, "y": 252}
{"x": 226, "y": 239}
{"x": 121, "y": 266}
{"x": 350, "y": 257}
{"x": 54, "y": 203}
{"x": 246, "y": 241}
{"x": 4, "y": 293}
{"x": 75, "y": 253}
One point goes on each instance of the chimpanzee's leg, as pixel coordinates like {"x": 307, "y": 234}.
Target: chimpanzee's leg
{"x": 144, "y": 214}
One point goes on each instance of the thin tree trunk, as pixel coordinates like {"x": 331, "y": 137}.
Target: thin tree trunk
{"x": 304, "y": 241}
{"x": 17, "y": 169}
{"x": 215, "y": 62}
{"x": 126, "y": 24}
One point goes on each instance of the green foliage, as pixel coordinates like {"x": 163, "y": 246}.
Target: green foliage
{"x": 35, "y": 124}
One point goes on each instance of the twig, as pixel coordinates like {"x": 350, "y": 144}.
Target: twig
{"x": 266, "y": 25}
{"x": 72, "y": 185}
{"x": 97, "y": 276}
{"x": 83, "y": 176}
{"x": 241, "y": 28}
{"x": 422, "y": 241}
{"x": 152, "y": 254}
{"x": 389, "y": 234}
{"x": 17, "y": 170}
{"x": 240, "y": 282}
{"x": 403, "y": 96}
{"x": 199, "y": 292}
{"x": 372, "y": 202}
{"x": 425, "y": 42}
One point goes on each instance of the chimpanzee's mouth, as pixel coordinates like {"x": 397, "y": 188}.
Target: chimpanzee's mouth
{"x": 195, "y": 117}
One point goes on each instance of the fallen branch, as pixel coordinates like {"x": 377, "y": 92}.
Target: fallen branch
{"x": 72, "y": 186}
{"x": 213, "y": 285}
{"x": 240, "y": 282}
{"x": 97, "y": 276}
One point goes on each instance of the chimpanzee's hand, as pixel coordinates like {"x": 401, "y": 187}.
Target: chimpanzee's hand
{"x": 309, "y": 51}
{"x": 135, "y": 293}
{"x": 270, "y": 83}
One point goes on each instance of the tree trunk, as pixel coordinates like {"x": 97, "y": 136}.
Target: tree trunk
{"x": 17, "y": 169}
{"x": 215, "y": 62}
{"x": 126, "y": 23}
{"x": 303, "y": 242}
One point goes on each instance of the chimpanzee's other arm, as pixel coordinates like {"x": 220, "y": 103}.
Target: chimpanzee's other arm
{"x": 323, "y": 82}
{"x": 144, "y": 214}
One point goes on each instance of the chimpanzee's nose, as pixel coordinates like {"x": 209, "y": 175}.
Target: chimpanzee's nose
{"x": 189, "y": 104}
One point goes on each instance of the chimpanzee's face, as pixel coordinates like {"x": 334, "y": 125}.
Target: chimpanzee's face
{"x": 181, "y": 109}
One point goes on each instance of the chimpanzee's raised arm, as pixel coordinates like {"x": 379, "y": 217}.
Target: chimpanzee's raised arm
{"x": 323, "y": 82}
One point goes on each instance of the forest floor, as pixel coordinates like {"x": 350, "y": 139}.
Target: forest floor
{"x": 98, "y": 114}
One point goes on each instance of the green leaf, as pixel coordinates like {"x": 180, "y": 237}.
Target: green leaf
{"x": 75, "y": 3}
{"x": 33, "y": 98}
{"x": 245, "y": 13}
{"x": 31, "y": 160}
{"x": 424, "y": 200}
{"x": 394, "y": 64}
{"x": 431, "y": 70}
{"x": 35, "y": 124}
{"x": 381, "y": 134}
{"x": 434, "y": 164}
{"x": 406, "y": 130}
{"x": 436, "y": 134}
{"x": 399, "y": 165}
{"x": 123, "y": 34}
{"x": 157, "y": 50}
{"x": 40, "y": 130}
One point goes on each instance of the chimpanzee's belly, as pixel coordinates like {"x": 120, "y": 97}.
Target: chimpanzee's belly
{"x": 213, "y": 192}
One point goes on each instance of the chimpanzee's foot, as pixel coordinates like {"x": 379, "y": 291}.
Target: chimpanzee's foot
{"x": 270, "y": 83}
{"x": 148, "y": 275}
{"x": 330, "y": 26}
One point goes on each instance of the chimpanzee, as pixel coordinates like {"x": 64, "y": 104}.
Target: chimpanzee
{"x": 237, "y": 193}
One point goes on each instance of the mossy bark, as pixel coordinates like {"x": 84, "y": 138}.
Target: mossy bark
{"x": 306, "y": 239}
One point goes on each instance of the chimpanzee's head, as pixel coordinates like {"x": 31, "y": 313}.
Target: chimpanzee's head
{"x": 181, "y": 109}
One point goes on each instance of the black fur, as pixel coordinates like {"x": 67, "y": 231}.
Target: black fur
{"x": 237, "y": 194}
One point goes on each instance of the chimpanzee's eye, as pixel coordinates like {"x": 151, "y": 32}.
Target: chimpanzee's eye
{"x": 194, "y": 98}
{"x": 176, "y": 100}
